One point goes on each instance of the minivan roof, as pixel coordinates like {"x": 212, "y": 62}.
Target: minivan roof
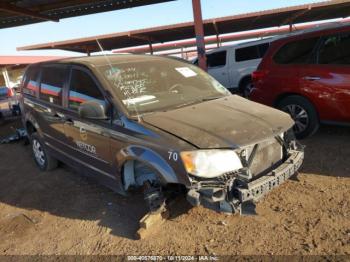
{"x": 100, "y": 60}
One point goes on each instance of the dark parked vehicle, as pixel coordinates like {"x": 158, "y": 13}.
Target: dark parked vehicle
{"x": 159, "y": 124}
{"x": 307, "y": 74}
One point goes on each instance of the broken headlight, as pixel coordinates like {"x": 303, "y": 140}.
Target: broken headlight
{"x": 210, "y": 163}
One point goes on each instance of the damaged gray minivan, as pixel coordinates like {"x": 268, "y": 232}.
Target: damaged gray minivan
{"x": 159, "y": 124}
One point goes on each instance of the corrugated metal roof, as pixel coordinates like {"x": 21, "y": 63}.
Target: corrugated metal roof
{"x": 25, "y": 60}
{"x": 16, "y": 13}
{"x": 229, "y": 24}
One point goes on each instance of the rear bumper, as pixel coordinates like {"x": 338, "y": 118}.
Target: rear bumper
{"x": 260, "y": 95}
{"x": 235, "y": 193}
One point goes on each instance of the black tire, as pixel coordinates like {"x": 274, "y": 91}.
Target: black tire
{"x": 303, "y": 113}
{"x": 2, "y": 119}
{"x": 245, "y": 87}
{"x": 41, "y": 157}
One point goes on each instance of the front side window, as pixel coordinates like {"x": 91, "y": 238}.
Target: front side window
{"x": 296, "y": 52}
{"x": 51, "y": 85}
{"x": 31, "y": 84}
{"x": 216, "y": 59}
{"x": 158, "y": 84}
{"x": 335, "y": 50}
{"x": 82, "y": 89}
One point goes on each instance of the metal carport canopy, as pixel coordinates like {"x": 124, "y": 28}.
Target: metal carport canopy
{"x": 250, "y": 21}
{"x": 25, "y": 60}
{"x": 16, "y": 13}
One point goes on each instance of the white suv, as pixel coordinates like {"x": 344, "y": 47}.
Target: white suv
{"x": 232, "y": 65}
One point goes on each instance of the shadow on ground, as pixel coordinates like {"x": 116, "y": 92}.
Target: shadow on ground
{"x": 327, "y": 152}
{"x": 67, "y": 194}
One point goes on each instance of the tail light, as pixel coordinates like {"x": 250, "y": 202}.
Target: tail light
{"x": 259, "y": 75}
{"x": 10, "y": 92}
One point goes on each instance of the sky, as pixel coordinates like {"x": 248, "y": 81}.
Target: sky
{"x": 125, "y": 20}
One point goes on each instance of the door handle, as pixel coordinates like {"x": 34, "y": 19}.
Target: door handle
{"x": 59, "y": 115}
{"x": 312, "y": 78}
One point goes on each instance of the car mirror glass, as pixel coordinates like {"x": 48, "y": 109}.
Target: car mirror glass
{"x": 92, "y": 110}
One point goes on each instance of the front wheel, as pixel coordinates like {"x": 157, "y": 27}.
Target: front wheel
{"x": 44, "y": 161}
{"x": 303, "y": 113}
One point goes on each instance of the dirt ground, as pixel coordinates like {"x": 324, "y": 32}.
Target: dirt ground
{"x": 61, "y": 212}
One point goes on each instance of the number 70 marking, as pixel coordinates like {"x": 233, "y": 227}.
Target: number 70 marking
{"x": 173, "y": 155}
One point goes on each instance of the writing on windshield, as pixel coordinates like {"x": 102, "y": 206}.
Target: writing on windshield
{"x": 160, "y": 84}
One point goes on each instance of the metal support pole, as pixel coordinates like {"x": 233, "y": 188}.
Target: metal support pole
{"x": 199, "y": 31}
{"x": 151, "y": 48}
{"x": 218, "y": 43}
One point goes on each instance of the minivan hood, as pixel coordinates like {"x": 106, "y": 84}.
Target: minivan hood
{"x": 228, "y": 122}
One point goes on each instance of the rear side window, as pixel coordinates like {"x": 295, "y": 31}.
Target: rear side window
{"x": 51, "y": 86}
{"x": 263, "y": 49}
{"x": 216, "y": 59}
{"x": 31, "y": 84}
{"x": 251, "y": 52}
{"x": 335, "y": 50}
{"x": 296, "y": 52}
{"x": 83, "y": 88}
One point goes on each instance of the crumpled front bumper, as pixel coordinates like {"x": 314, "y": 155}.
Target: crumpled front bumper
{"x": 231, "y": 197}
{"x": 259, "y": 187}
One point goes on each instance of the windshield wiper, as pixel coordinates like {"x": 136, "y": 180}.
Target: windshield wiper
{"x": 189, "y": 103}
{"x": 210, "y": 98}
{"x": 197, "y": 101}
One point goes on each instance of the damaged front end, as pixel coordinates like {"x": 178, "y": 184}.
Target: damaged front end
{"x": 265, "y": 165}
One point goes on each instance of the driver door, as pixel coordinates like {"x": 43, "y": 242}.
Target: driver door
{"x": 88, "y": 139}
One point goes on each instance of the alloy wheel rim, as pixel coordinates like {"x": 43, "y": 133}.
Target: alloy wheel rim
{"x": 299, "y": 115}
{"x": 38, "y": 152}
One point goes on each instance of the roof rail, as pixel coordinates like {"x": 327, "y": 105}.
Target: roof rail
{"x": 319, "y": 27}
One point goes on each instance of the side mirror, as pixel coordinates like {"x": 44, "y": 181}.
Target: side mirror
{"x": 92, "y": 110}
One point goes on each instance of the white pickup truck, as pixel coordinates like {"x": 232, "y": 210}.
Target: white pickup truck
{"x": 232, "y": 65}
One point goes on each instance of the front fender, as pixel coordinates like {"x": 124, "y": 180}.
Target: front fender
{"x": 168, "y": 173}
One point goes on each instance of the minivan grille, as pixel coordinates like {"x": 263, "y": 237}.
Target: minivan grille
{"x": 268, "y": 154}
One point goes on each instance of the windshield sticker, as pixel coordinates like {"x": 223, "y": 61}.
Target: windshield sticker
{"x": 186, "y": 71}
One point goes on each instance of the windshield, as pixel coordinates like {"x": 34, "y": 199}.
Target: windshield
{"x": 151, "y": 85}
